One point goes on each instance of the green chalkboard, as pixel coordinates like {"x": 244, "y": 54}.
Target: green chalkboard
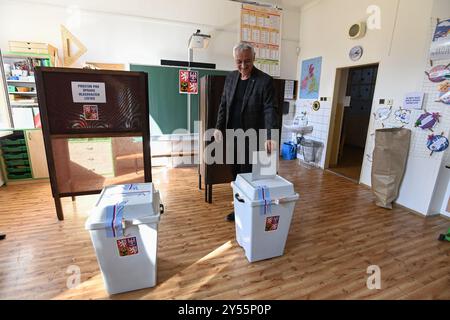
{"x": 168, "y": 108}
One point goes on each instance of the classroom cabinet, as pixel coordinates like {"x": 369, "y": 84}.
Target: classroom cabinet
{"x": 95, "y": 155}
{"x": 36, "y": 153}
{"x": 23, "y": 155}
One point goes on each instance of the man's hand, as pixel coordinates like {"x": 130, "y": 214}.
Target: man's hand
{"x": 271, "y": 146}
{"x": 217, "y": 135}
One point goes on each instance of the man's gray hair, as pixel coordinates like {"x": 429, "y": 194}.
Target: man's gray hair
{"x": 243, "y": 46}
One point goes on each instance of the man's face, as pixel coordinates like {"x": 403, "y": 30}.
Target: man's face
{"x": 244, "y": 62}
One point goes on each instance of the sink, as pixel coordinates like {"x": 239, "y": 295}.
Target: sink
{"x": 299, "y": 129}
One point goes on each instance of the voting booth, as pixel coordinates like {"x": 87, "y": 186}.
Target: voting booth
{"x": 96, "y": 129}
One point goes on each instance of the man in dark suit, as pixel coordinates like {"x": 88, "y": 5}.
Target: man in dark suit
{"x": 248, "y": 102}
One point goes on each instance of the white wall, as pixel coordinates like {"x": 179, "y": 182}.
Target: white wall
{"x": 401, "y": 49}
{"x": 137, "y": 31}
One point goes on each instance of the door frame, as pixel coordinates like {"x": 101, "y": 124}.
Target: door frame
{"x": 337, "y": 113}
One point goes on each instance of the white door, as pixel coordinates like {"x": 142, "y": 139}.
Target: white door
{"x": 36, "y": 152}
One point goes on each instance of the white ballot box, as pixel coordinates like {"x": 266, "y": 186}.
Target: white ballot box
{"x": 124, "y": 232}
{"x": 263, "y": 211}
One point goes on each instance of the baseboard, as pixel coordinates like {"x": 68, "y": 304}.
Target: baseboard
{"x": 26, "y": 181}
{"x": 409, "y": 209}
{"x": 365, "y": 185}
{"x": 341, "y": 175}
{"x": 417, "y": 212}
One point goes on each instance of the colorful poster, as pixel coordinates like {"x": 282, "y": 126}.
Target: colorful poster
{"x": 440, "y": 47}
{"x": 261, "y": 28}
{"x": 310, "y": 78}
{"x": 188, "y": 81}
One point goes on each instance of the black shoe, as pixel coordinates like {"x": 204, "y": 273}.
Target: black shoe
{"x": 230, "y": 217}
{"x": 2, "y": 236}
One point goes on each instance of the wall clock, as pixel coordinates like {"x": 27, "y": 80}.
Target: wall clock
{"x": 356, "y": 53}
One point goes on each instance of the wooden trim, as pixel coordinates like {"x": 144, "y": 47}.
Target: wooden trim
{"x": 414, "y": 211}
{"x": 107, "y": 66}
{"x": 97, "y": 135}
{"x": 93, "y": 71}
{"x": 42, "y": 101}
{"x": 146, "y": 146}
{"x": 75, "y": 194}
{"x": 403, "y": 207}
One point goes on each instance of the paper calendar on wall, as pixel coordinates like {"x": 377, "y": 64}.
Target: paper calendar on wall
{"x": 261, "y": 27}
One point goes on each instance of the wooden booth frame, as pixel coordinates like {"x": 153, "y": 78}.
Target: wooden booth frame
{"x": 57, "y": 107}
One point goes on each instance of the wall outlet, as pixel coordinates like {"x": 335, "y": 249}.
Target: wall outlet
{"x": 390, "y": 102}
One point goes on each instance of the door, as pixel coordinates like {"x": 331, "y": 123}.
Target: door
{"x": 351, "y": 119}
{"x": 36, "y": 152}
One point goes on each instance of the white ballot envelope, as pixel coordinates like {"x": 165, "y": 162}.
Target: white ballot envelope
{"x": 265, "y": 166}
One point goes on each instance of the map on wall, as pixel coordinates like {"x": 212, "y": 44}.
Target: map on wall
{"x": 440, "y": 47}
{"x": 310, "y": 78}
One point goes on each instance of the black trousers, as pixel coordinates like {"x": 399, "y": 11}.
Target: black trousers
{"x": 244, "y": 167}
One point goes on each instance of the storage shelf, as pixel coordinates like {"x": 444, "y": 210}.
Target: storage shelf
{"x": 24, "y": 105}
{"x": 22, "y": 55}
{"x": 20, "y": 82}
{"x": 23, "y": 93}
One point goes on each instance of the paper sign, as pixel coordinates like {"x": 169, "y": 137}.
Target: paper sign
{"x": 413, "y": 100}
{"x": 347, "y": 101}
{"x": 264, "y": 165}
{"x": 262, "y": 27}
{"x": 289, "y": 90}
{"x": 188, "y": 81}
{"x": 88, "y": 92}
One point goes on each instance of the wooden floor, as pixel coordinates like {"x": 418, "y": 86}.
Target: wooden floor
{"x": 336, "y": 233}
{"x": 350, "y": 163}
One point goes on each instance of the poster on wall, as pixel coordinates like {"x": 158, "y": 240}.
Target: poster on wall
{"x": 440, "y": 46}
{"x": 310, "y": 78}
{"x": 188, "y": 81}
{"x": 261, "y": 27}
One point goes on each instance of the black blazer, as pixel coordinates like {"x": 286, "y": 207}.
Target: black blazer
{"x": 259, "y": 108}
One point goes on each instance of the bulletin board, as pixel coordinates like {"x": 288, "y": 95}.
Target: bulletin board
{"x": 399, "y": 117}
{"x": 94, "y": 122}
{"x": 261, "y": 27}
{"x": 418, "y": 148}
